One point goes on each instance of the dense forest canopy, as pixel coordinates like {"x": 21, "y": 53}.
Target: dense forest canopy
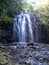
{"x": 10, "y": 8}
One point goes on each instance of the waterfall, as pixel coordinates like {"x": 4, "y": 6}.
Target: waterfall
{"x": 25, "y": 29}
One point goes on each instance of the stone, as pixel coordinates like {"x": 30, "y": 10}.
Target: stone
{"x": 30, "y": 44}
{"x": 27, "y": 63}
{"x": 4, "y": 63}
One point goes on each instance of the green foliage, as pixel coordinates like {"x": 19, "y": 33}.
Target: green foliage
{"x": 4, "y": 10}
{"x": 43, "y": 13}
{"x": 8, "y": 9}
{"x": 6, "y": 19}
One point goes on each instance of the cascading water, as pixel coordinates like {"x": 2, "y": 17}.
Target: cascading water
{"x": 25, "y": 30}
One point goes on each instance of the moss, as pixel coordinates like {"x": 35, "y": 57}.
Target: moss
{"x": 1, "y": 33}
{"x": 1, "y": 30}
{"x": 1, "y": 59}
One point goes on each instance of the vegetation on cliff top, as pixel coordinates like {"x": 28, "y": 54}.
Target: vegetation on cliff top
{"x": 10, "y": 8}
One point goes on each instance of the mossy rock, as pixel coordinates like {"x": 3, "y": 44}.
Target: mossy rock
{"x": 3, "y": 61}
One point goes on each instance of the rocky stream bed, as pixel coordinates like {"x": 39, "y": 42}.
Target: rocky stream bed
{"x": 25, "y": 54}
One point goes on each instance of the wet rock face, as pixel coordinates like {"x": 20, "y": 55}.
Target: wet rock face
{"x": 23, "y": 28}
{"x": 27, "y": 27}
{"x": 39, "y": 29}
{"x": 36, "y": 27}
